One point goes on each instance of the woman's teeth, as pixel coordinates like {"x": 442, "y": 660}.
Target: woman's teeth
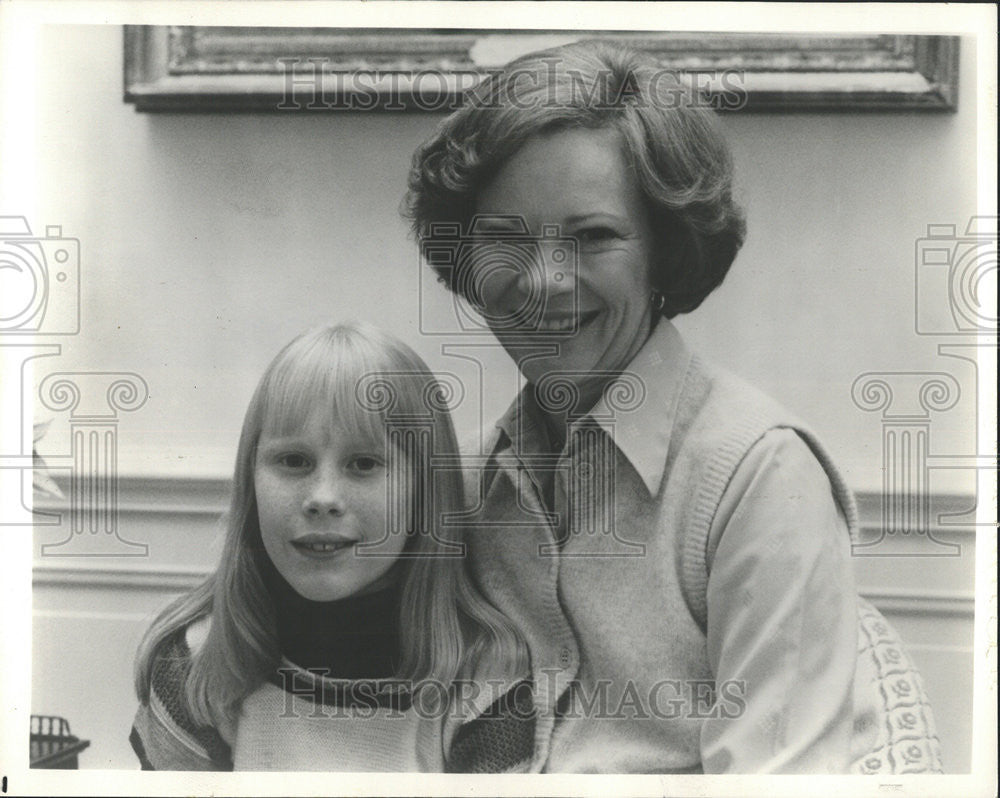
{"x": 566, "y": 323}
{"x": 557, "y": 325}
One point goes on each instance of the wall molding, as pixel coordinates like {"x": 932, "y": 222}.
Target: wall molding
{"x": 209, "y": 496}
{"x": 163, "y": 498}
{"x": 951, "y": 513}
{"x": 936, "y": 603}
{"x": 158, "y": 496}
{"x": 157, "y": 578}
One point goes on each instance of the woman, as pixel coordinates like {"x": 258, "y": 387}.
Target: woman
{"x": 674, "y": 545}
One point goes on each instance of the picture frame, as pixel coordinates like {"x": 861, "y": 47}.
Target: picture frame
{"x": 256, "y": 69}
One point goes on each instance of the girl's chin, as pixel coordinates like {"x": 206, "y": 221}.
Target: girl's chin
{"x": 321, "y": 590}
{"x": 314, "y": 590}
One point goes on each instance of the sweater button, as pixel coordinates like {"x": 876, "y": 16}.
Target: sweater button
{"x": 564, "y": 657}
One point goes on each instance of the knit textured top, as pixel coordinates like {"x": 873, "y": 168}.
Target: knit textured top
{"x": 332, "y": 704}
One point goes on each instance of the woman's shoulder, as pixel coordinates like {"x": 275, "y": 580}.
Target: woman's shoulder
{"x": 478, "y": 441}
{"x": 781, "y": 468}
{"x": 728, "y": 400}
{"x": 732, "y": 424}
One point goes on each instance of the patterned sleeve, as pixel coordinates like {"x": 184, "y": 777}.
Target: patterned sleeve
{"x": 893, "y": 723}
{"x": 499, "y": 740}
{"x": 164, "y": 736}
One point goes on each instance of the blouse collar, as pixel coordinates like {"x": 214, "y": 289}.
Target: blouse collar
{"x": 637, "y": 409}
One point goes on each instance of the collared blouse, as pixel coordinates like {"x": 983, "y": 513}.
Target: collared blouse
{"x": 574, "y": 548}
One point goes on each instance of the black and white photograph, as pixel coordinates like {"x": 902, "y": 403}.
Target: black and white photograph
{"x": 495, "y": 398}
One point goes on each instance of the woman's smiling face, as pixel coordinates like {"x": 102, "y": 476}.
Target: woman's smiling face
{"x": 580, "y": 180}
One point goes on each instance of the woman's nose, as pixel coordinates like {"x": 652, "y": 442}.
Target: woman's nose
{"x": 548, "y": 271}
{"x": 324, "y": 497}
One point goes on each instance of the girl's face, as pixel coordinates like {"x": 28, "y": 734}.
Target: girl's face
{"x": 321, "y": 492}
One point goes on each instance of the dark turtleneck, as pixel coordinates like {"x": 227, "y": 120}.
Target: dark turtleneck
{"x": 352, "y": 638}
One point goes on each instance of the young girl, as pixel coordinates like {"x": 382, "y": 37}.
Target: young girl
{"x": 341, "y": 588}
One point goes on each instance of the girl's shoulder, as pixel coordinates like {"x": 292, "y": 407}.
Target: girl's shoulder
{"x": 165, "y": 735}
{"x": 173, "y": 656}
{"x": 196, "y": 632}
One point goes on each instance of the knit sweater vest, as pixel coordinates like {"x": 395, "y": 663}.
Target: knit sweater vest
{"x": 610, "y": 634}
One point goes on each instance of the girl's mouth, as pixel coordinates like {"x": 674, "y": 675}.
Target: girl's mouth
{"x": 321, "y": 546}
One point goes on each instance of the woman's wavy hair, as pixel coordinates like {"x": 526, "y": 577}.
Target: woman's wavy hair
{"x": 670, "y": 137}
{"x": 364, "y": 378}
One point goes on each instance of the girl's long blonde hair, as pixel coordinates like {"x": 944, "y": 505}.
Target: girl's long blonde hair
{"x": 371, "y": 382}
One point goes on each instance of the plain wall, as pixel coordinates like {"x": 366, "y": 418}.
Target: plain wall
{"x": 207, "y": 241}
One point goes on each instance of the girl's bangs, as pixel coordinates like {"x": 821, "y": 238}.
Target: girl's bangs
{"x": 322, "y": 377}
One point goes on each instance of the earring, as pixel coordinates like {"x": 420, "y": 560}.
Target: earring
{"x": 657, "y": 299}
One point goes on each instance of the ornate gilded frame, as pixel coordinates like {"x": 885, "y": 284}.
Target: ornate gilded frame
{"x": 186, "y": 68}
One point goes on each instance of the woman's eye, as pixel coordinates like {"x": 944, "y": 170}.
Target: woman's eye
{"x": 596, "y": 235}
{"x": 293, "y": 460}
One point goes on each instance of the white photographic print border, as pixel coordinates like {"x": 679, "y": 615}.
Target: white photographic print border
{"x": 98, "y": 405}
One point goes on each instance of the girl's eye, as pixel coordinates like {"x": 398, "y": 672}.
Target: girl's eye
{"x": 365, "y": 464}
{"x": 293, "y": 460}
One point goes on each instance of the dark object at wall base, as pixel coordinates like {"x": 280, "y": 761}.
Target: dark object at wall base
{"x": 52, "y": 746}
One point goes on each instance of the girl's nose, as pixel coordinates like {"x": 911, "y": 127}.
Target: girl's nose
{"x": 318, "y": 507}
{"x": 324, "y": 497}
